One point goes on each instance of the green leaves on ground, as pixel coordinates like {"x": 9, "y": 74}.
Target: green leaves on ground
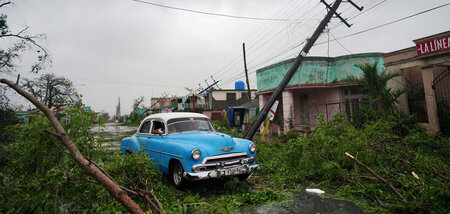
{"x": 39, "y": 177}
{"x": 383, "y": 144}
{"x": 36, "y": 175}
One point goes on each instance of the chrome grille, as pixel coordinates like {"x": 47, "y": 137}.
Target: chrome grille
{"x": 231, "y": 157}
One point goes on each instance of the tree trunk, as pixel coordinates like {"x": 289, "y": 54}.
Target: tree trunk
{"x": 110, "y": 185}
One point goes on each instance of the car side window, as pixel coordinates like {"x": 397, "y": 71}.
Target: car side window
{"x": 157, "y": 126}
{"x": 145, "y": 128}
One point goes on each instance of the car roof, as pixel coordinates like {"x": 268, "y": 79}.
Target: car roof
{"x": 172, "y": 115}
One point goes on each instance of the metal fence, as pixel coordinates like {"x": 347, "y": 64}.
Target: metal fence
{"x": 441, "y": 86}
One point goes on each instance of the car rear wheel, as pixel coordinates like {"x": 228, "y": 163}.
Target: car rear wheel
{"x": 177, "y": 175}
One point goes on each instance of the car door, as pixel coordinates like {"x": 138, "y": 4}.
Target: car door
{"x": 144, "y": 138}
{"x": 153, "y": 140}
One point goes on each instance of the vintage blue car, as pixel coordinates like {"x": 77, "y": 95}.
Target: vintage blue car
{"x": 185, "y": 146}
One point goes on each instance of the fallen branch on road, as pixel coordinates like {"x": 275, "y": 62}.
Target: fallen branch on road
{"x": 400, "y": 196}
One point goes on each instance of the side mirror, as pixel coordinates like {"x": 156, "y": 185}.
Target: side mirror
{"x": 160, "y": 133}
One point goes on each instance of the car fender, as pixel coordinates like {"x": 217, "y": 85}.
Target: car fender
{"x": 243, "y": 145}
{"x": 178, "y": 151}
{"x": 130, "y": 144}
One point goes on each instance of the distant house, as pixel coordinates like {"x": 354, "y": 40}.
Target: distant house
{"x": 217, "y": 101}
{"x": 314, "y": 89}
{"x": 87, "y": 108}
{"x": 164, "y": 104}
{"x": 27, "y": 115}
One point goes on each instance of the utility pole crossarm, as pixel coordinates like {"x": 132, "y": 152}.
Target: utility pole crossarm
{"x": 335, "y": 13}
{"x": 262, "y": 115}
{"x": 356, "y": 6}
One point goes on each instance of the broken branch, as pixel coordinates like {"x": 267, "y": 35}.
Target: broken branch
{"x": 109, "y": 184}
{"x": 400, "y": 196}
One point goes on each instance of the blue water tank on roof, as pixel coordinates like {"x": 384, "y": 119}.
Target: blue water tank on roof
{"x": 239, "y": 85}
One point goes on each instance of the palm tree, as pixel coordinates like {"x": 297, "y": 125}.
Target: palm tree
{"x": 374, "y": 84}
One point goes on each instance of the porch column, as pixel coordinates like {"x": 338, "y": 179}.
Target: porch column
{"x": 430, "y": 98}
{"x": 398, "y": 83}
{"x": 288, "y": 108}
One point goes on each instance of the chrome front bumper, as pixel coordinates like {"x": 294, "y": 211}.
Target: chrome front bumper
{"x": 221, "y": 172}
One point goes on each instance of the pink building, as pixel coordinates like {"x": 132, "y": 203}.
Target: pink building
{"x": 313, "y": 90}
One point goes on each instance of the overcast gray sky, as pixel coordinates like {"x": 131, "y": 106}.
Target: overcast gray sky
{"x": 127, "y": 49}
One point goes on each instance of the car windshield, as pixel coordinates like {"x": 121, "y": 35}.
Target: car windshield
{"x": 179, "y": 125}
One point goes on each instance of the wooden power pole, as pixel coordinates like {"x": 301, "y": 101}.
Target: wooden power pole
{"x": 263, "y": 113}
{"x": 246, "y": 73}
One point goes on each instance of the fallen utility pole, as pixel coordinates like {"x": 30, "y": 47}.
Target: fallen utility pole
{"x": 262, "y": 115}
{"x": 210, "y": 86}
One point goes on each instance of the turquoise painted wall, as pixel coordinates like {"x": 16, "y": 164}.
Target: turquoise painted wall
{"x": 316, "y": 70}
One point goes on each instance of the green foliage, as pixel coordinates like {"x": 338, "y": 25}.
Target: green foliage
{"x": 319, "y": 161}
{"x": 374, "y": 83}
{"x": 40, "y": 177}
{"x": 401, "y": 123}
{"x": 223, "y": 126}
{"x": 284, "y": 138}
{"x": 52, "y": 90}
{"x": 135, "y": 117}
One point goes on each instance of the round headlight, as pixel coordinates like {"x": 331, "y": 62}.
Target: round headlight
{"x": 196, "y": 154}
{"x": 252, "y": 147}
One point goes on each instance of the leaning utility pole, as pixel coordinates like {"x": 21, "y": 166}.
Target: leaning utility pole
{"x": 263, "y": 113}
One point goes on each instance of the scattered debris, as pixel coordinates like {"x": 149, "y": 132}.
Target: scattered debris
{"x": 415, "y": 175}
{"x": 315, "y": 191}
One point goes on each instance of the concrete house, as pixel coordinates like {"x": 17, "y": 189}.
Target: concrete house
{"x": 217, "y": 101}
{"x": 314, "y": 89}
{"x": 425, "y": 72}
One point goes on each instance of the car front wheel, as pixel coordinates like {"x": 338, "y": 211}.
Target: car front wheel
{"x": 177, "y": 175}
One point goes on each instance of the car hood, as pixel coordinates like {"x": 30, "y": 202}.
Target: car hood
{"x": 211, "y": 143}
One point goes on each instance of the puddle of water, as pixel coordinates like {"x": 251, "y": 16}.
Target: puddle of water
{"x": 308, "y": 203}
{"x": 113, "y": 132}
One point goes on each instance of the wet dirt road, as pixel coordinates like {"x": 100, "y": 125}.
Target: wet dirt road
{"x": 111, "y": 134}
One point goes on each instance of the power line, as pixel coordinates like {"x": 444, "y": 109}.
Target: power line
{"x": 389, "y": 23}
{"x": 363, "y": 31}
{"x": 209, "y": 13}
{"x": 338, "y": 43}
{"x": 352, "y": 16}
{"x": 251, "y": 37}
{"x": 262, "y": 40}
{"x": 126, "y": 83}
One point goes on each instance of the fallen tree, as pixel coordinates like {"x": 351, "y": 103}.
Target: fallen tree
{"x": 88, "y": 166}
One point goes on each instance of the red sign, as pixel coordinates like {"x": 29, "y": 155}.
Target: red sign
{"x": 433, "y": 45}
